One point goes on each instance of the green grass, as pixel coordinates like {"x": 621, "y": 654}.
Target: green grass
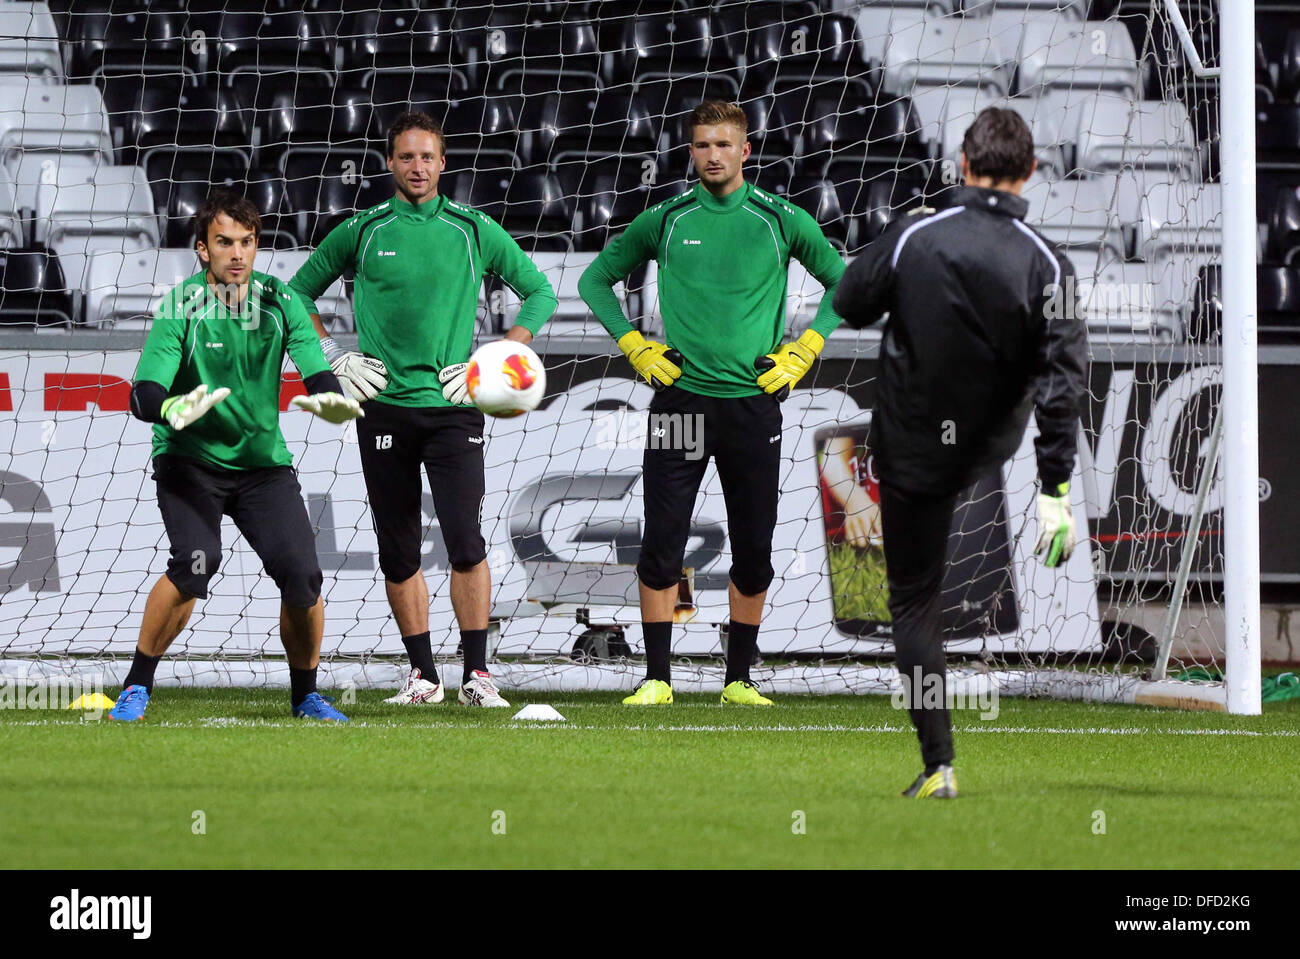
{"x": 694, "y": 784}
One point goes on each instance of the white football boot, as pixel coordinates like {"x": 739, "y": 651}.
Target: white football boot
{"x": 481, "y": 691}
{"x": 416, "y": 691}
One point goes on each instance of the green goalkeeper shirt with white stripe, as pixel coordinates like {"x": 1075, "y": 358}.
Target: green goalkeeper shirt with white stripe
{"x": 419, "y": 270}
{"x": 723, "y": 270}
{"x": 195, "y": 338}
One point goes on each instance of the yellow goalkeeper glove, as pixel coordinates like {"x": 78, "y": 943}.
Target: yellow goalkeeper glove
{"x": 659, "y": 364}
{"x": 785, "y": 367}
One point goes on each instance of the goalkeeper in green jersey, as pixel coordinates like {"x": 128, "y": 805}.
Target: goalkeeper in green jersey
{"x": 209, "y": 381}
{"x": 419, "y": 261}
{"x": 724, "y": 251}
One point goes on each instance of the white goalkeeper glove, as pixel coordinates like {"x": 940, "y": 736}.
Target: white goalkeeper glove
{"x": 1055, "y": 526}
{"x": 331, "y": 407}
{"x": 364, "y": 376}
{"x": 180, "y": 411}
{"x": 454, "y": 387}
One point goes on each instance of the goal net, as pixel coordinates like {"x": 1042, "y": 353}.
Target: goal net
{"x": 563, "y": 122}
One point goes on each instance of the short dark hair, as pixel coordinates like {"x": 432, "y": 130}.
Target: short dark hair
{"x": 415, "y": 120}
{"x": 999, "y": 145}
{"x": 238, "y": 208}
{"x": 712, "y": 113}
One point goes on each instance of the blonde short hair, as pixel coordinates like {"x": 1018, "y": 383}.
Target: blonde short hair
{"x": 712, "y": 113}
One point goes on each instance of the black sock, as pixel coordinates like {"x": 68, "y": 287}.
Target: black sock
{"x": 141, "y": 671}
{"x": 742, "y": 640}
{"x": 658, "y": 639}
{"x": 473, "y": 646}
{"x": 302, "y": 683}
{"x": 421, "y": 656}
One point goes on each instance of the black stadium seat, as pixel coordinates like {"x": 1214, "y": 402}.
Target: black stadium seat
{"x": 404, "y": 39}
{"x": 575, "y": 126}
{"x": 675, "y": 45}
{"x": 879, "y": 201}
{"x": 269, "y": 40}
{"x": 530, "y": 205}
{"x": 314, "y": 117}
{"x": 820, "y": 198}
{"x": 198, "y": 119}
{"x": 811, "y": 51}
{"x": 33, "y": 291}
{"x": 1278, "y": 302}
{"x": 523, "y": 54}
{"x": 608, "y": 202}
{"x": 842, "y": 138}
{"x": 1277, "y": 137}
{"x": 1284, "y": 226}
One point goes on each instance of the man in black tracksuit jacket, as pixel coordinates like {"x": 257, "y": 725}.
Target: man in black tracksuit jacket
{"x": 978, "y": 336}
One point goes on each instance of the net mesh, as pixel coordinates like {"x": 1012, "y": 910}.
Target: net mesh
{"x": 563, "y": 122}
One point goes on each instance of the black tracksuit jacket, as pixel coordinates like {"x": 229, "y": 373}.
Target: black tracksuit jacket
{"x": 982, "y": 329}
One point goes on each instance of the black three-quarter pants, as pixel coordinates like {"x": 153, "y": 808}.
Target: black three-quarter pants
{"x": 447, "y": 441}
{"x": 915, "y": 528}
{"x": 266, "y": 505}
{"x": 743, "y": 435}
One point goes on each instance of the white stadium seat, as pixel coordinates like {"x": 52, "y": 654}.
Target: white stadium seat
{"x": 1095, "y": 55}
{"x": 877, "y": 23}
{"x": 572, "y": 317}
{"x": 123, "y": 289}
{"x": 43, "y": 117}
{"x": 1071, "y": 9}
{"x": 37, "y": 172}
{"x": 334, "y": 305}
{"x": 1180, "y": 217}
{"x": 11, "y": 233}
{"x": 1112, "y": 133}
{"x": 29, "y": 42}
{"x": 946, "y": 52}
{"x": 111, "y": 210}
{"x": 1076, "y": 214}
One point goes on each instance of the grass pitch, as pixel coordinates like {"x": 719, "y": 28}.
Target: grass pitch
{"x": 809, "y": 782}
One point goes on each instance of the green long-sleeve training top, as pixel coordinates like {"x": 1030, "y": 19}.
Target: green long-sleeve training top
{"x": 419, "y": 270}
{"x": 195, "y": 338}
{"x": 723, "y": 271}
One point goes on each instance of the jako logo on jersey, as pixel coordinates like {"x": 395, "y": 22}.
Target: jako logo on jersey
{"x": 388, "y": 253}
{"x": 690, "y": 242}
{"x": 214, "y": 346}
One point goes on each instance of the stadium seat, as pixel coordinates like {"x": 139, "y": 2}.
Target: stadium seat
{"x": 1180, "y": 217}
{"x": 572, "y": 317}
{"x": 402, "y": 40}
{"x": 1090, "y": 55}
{"x": 334, "y": 305}
{"x": 33, "y": 291}
{"x": 1066, "y": 9}
{"x": 668, "y": 99}
{"x": 269, "y": 40}
{"x": 1277, "y": 298}
{"x": 315, "y": 119}
{"x": 11, "y": 230}
{"x": 113, "y": 210}
{"x": 841, "y": 139}
{"x": 530, "y": 205}
{"x": 810, "y": 51}
{"x": 677, "y": 45}
{"x": 68, "y": 119}
{"x": 945, "y": 53}
{"x": 34, "y": 171}
{"x": 522, "y": 54}
{"x": 609, "y": 196}
{"x": 199, "y": 120}
{"x": 1076, "y": 214}
{"x": 1277, "y": 137}
{"x": 880, "y": 200}
{"x": 1284, "y": 226}
{"x": 190, "y": 185}
{"x": 123, "y": 289}
{"x": 820, "y": 198}
{"x": 1113, "y": 133}
{"x": 29, "y": 42}
{"x": 319, "y": 197}
{"x": 482, "y": 132}
{"x": 155, "y": 39}
{"x": 583, "y": 125}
